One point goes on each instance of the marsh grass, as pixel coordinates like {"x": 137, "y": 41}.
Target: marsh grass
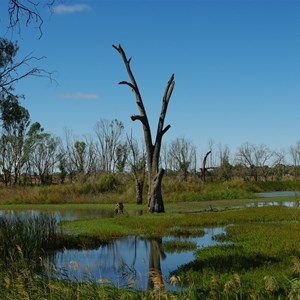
{"x": 112, "y": 189}
{"x": 265, "y": 255}
{"x": 158, "y": 225}
{"x": 178, "y": 246}
{"x": 26, "y": 236}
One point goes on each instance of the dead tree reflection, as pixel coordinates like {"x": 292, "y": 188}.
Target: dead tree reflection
{"x": 156, "y": 279}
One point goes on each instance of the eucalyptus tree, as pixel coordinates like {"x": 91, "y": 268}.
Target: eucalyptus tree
{"x": 155, "y": 172}
{"x": 42, "y": 150}
{"x": 224, "y": 171}
{"x": 15, "y": 121}
{"x": 183, "y": 153}
{"x": 77, "y": 156}
{"x": 294, "y": 152}
{"x": 109, "y": 144}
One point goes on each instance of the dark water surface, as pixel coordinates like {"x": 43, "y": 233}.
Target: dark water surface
{"x": 127, "y": 261}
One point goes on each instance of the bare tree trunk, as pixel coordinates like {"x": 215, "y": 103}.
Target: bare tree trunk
{"x": 139, "y": 186}
{"x": 203, "y": 169}
{"x": 155, "y": 200}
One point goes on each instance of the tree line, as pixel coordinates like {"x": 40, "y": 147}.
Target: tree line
{"x": 30, "y": 155}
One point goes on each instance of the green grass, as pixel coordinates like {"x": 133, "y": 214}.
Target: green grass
{"x": 178, "y": 246}
{"x": 259, "y": 261}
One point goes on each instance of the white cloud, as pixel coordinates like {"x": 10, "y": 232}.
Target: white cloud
{"x": 70, "y": 9}
{"x": 78, "y": 95}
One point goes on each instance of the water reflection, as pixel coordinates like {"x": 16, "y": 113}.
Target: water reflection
{"x": 273, "y": 203}
{"x": 156, "y": 279}
{"x": 278, "y": 194}
{"x": 130, "y": 261}
{"x": 62, "y": 214}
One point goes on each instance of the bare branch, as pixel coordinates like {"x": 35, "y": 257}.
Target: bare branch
{"x": 11, "y": 73}
{"x": 166, "y": 129}
{"x": 133, "y": 88}
{"x": 133, "y": 85}
{"x": 27, "y": 11}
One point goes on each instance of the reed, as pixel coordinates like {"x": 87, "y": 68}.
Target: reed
{"x": 26, "y": 236}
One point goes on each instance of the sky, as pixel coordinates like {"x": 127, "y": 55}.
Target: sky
{"x": 236, "y": 66}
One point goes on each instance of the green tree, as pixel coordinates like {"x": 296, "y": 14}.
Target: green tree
{"x": 15, "y": 121}
{"x": 109, "y": 144}
{"x": 42, "y": 153}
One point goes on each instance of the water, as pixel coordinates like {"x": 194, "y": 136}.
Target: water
{"x": 278, "y": 194}
{"x": 62, "y": 214}
{"x": 127, "y": 261}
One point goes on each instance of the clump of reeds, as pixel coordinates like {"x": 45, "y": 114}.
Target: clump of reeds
{"x": 26, "y": 235}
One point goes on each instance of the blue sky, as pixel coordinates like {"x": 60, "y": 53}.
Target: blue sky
{"x": 236, "y": 65}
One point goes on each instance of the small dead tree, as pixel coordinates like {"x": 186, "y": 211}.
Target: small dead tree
{"x": 203, "y": 169}
{"x": 155, "y": 200}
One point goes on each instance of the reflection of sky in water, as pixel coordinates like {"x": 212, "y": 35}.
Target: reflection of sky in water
{"x": 128, "y": 258}
{"x": 61, "y": 214}
{"x": 278, "y": 194}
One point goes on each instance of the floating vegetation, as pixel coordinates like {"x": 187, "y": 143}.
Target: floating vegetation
{"x": 178, "y": 246}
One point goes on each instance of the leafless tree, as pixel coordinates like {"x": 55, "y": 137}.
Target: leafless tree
{"x": 255, "y": 157}
{"x": 203, "y": 169}
{"x": 183, "y": 153}
{"x": 155, "y": 199}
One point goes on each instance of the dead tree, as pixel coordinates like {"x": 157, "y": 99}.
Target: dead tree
{"x": 203, "y": 170}
{"x": 155, "y": 200}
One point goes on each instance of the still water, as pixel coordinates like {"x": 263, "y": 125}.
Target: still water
{"x": 128, "y": 261}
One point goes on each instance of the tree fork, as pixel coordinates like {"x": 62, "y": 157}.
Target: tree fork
{"x": 155, "y": 200}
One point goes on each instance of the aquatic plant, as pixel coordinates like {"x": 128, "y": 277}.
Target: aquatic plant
{"x": 26, "y": 235}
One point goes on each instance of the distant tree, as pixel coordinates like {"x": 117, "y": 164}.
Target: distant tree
{"x": 62, "y": 165}
{"x": 294, "y": 152}
{"x": 42, "y": 148}
{"x": 79, "y": 156}
{"x": 224, "y": 171}
{"x": 155, "y": 199}
{"x": 183, "y": 154}
{"x": 15, "y": 121}
{"x": 109, "y": 144}
{"x": 121, "y": 157}
{"x": 203, "y": 169}
{"x": 137, "y": 162}
{"x": 256, "y": 158}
